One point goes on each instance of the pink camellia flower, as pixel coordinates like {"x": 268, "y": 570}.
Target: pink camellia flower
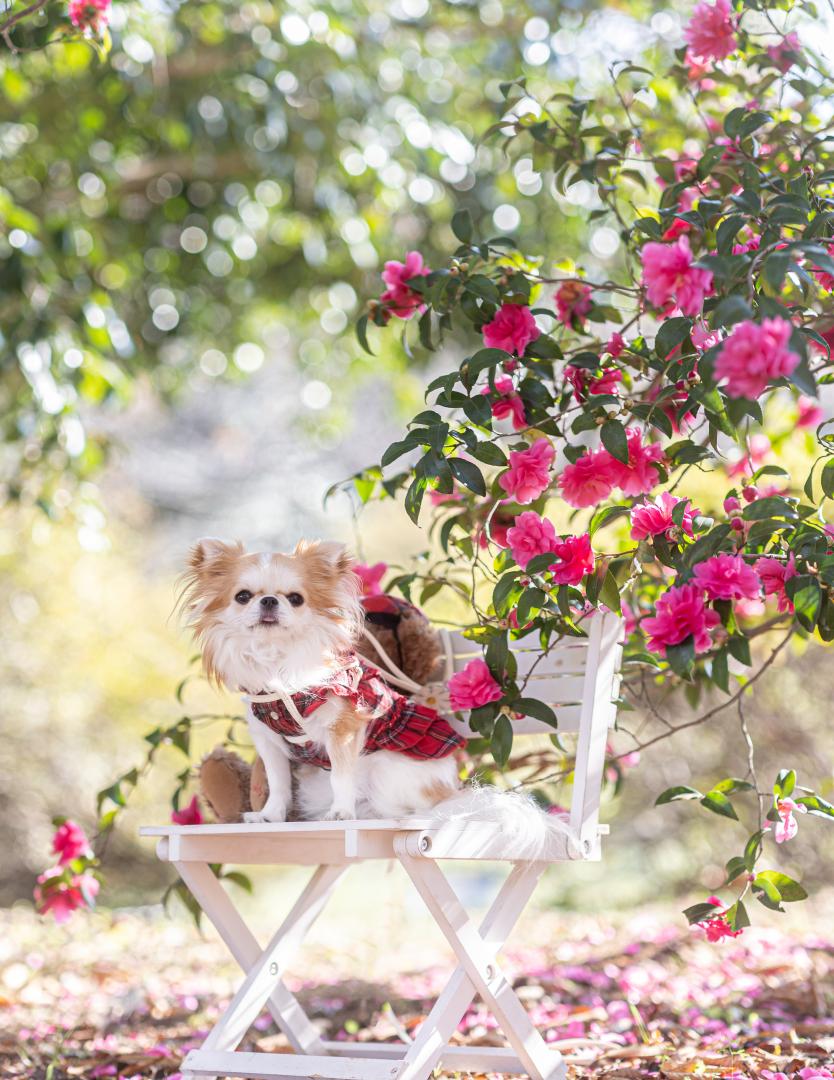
{"x": 188, "y": 815}
{"x": 823, "y": 277}
{"x": 615, "y": 344}
{"x": 744, "y": 248}
{"x": 811, "y": 1072}
{"x": 589, "y": 480}
{"x": 640, "y": 476}
{"x": 576, "y": 559}
{"x": 509, "y": 402}
{"x": 811, "y": 414}
{"x": 400, "y": 298}
{"x": 702, "y": 337}
{"x": 512, "y": 329}
{"x": 573, "y": 302}
{"x": 654, "y": 518}
{"x": 531, "y": 535}
{"x": 70, "y": 842}
{"x": 727, "y": 577}
{"x": 669, "y": 275}
{"x": 717, "y": 927}
{"x": 697, "y": 68}
{"x": 371, "y": 576}
{"x": 473, "y": 686}
{"x": 787, "y": 52}
{"x": 753, "y": 354}
{"x": 710, "y": 33}
{"x": 585, "y": 382}
{"x": 774, "y": 573}
{"x": 529, "y": 472}
{"x": 62, "y": 897}
{"x": 680, "y": 613}
{"x": 91, "y": 15}
{"x": 787, "y": 826}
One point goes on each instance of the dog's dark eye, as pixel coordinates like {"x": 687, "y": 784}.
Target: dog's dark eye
{"x": 243, "y": 597}
{"x": 295, "y": 598}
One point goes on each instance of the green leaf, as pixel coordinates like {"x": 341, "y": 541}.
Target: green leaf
{"x": 468, "y": 474}
{"x": 506, "y": 591}
{"x": 675, "y": 794}
{"x": 784, "y": 784}
{"x": 731, "y": 785}
{"x": 462, "y": 226}
{"x": 537, "y": 709}
{"x": 737, "y": 916}
{"x": 718, "y": 802}
{"x": 827, "y": 478}
{"x": 672, "y": 333}
{"x": 731, "y": 310}
{"x": 414, "y": 497}
{"x": 609, "y": 594}
{"x": 752, "y": 849}
{"x": 770, "y": 506}
{"x": 605, "y": 515}
{"x": 681, "y": 656}
{"x": 489, "y": 453}
{"x": 727, "y": 231}
{"x": 698, "y": 912}
{"x": 397, "y": 449}
{"x": 735, "y": 868}
{"x": 501, "y": 743}
{"x": 739, "y": 647}
{"x": 817, "y": 805}
{"x": 362, "y": 334}
{"x": 789, "y": 890}
{"x": 720, "y": 671}
{"x": 615, "y": 440}
{"x": 805, "y": 592}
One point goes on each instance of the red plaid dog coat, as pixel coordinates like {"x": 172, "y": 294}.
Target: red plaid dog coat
{"x": 396, "y": 722}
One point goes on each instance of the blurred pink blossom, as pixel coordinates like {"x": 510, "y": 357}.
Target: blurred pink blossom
{"x": 400, "y": 298}
{"x": 710, "y": 33}
{"x": 188, "y": 815}
{"x": 70, "y": 842}
{"x": 371, "y": 576}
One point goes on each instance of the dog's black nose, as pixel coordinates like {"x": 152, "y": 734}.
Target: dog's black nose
{"x": 269, "y": 602}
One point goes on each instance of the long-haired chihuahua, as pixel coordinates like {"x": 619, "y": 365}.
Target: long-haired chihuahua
{"x": 283, "y": 629}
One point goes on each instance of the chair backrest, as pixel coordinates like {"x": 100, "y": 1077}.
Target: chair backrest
{"x": 579, "y": 678}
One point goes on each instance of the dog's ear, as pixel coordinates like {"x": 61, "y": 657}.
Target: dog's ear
{"x": 211, "y": 554}
{"x": 330, "y": 552}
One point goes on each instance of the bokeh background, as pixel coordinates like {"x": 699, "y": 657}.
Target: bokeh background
{"x": 189, "y": 229}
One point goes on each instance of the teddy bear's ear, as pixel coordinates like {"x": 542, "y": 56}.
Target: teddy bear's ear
{"x": 210, "y": 552}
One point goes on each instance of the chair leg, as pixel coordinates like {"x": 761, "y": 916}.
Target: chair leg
{"x": 478, "y": 971}
{"x": 272, "y": 991}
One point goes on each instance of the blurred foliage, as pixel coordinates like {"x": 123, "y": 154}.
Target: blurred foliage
{"x": 229, "y": 171}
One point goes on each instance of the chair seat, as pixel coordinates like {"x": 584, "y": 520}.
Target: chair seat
{"x": 313, "y": 843}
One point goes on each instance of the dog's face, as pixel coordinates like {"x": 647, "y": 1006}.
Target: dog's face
{"x": 267, "y": 620}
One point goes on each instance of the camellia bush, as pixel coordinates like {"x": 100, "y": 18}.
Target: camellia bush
{"x": 566, "y": 398}
{"x": 611, "y": 397}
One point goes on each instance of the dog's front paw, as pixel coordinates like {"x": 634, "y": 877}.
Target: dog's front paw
{"x": 266, "y": 815}
{"x": 340, "y": 813}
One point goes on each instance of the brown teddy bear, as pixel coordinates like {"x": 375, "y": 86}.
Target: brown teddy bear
{"x": 231, "y": 786}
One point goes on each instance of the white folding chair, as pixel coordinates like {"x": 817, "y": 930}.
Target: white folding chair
{"x": 579, "y": 678}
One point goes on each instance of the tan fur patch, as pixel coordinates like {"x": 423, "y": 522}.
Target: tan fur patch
{"x": 437, "y": 791}
{"x": 346, "y": 736}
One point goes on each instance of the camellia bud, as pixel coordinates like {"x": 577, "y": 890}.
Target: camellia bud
{"x": 750, "y": 493}
{"x": 737, "y": 524}
{"x": 731, "y": 504}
